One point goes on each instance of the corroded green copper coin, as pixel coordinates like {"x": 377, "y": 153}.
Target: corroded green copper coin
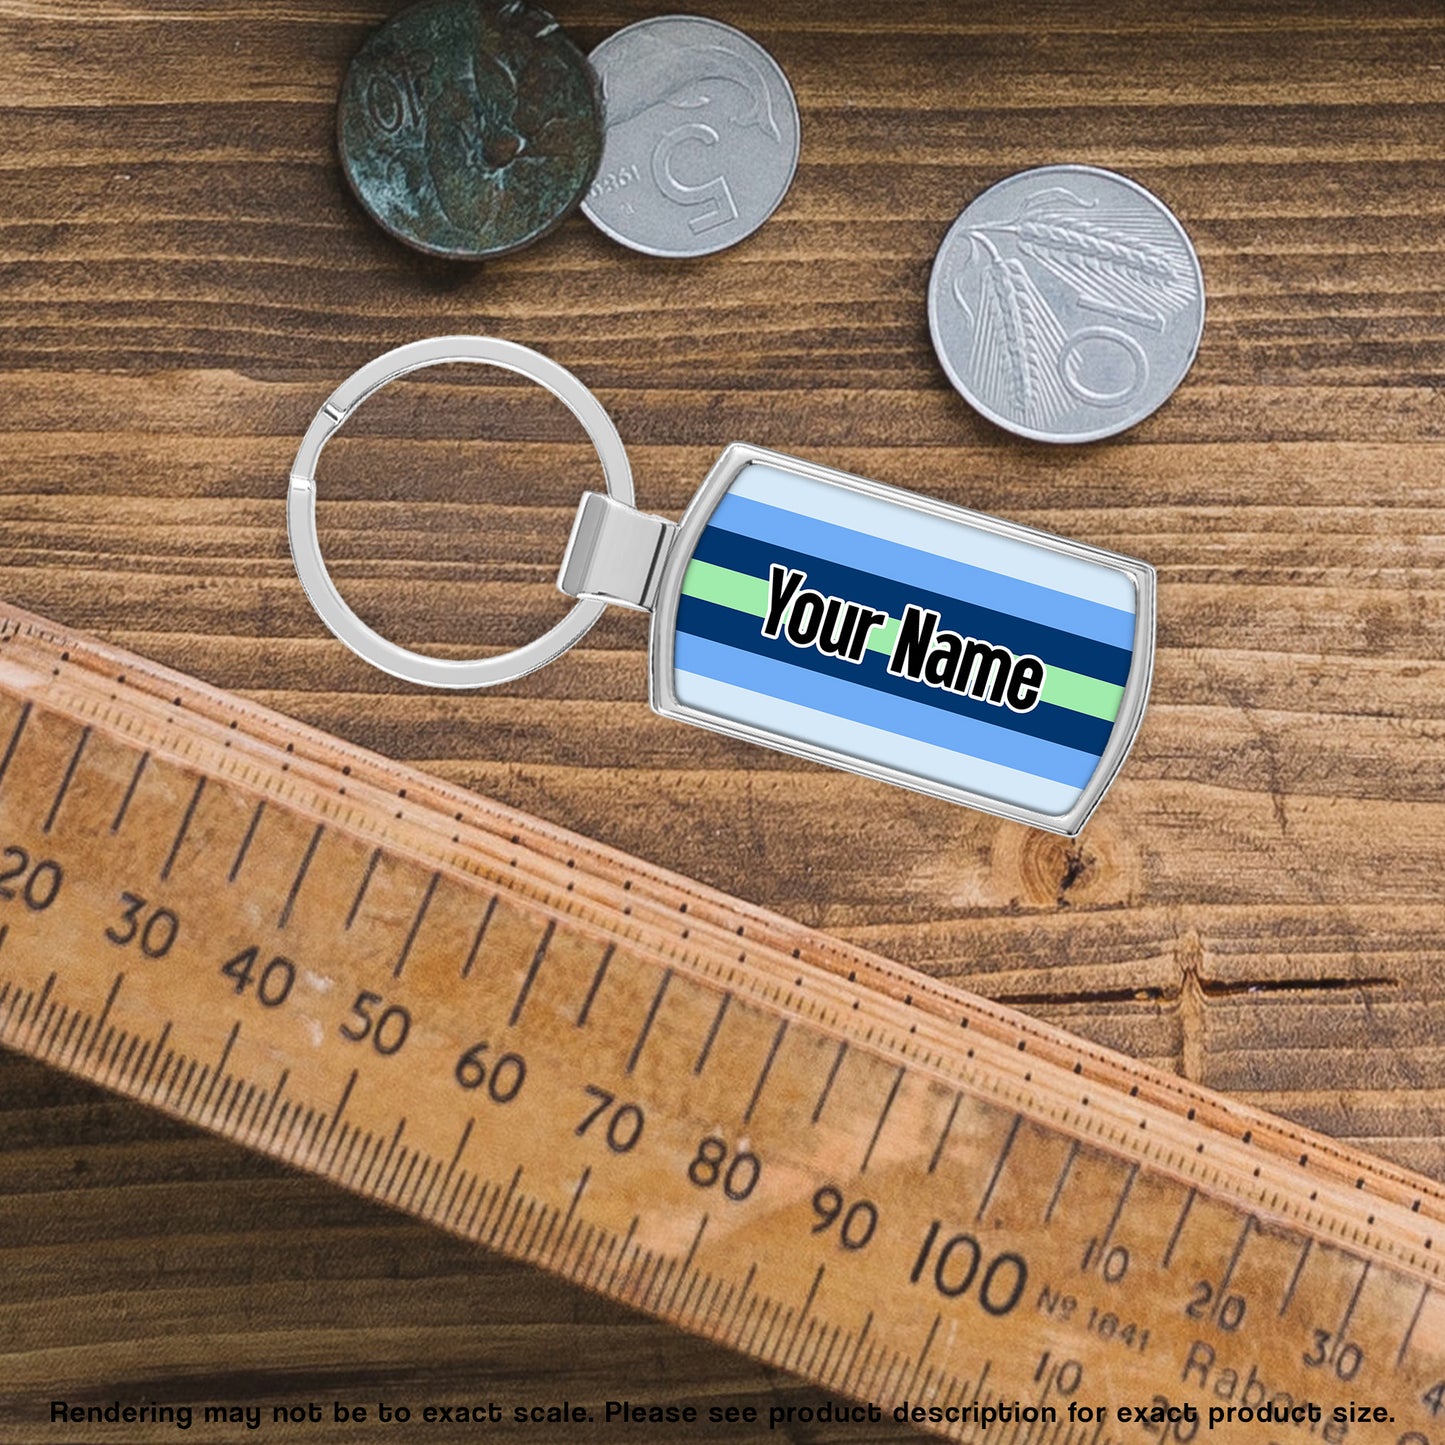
{"x": 469, "y": 128}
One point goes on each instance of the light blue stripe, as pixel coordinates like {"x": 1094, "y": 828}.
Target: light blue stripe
{"x": 857, "y": 740}
{"x": 1068, "y": 577}
{"x": 905, "y": 722}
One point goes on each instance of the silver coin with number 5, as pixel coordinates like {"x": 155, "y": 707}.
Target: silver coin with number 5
{"x": 1066, "y": 303}
{"x": 701, "y": 136}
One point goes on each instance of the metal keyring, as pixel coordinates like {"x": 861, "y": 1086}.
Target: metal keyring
{"x": 301, "y": 509}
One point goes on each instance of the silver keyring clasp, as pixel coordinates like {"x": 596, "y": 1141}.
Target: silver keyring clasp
{"x": 301, "y": 508}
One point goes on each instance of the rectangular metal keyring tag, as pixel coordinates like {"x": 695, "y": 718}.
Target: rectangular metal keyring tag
{"x": 903, "y": 638}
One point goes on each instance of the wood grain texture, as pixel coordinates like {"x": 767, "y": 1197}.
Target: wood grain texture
{"x": 183, "y": 278}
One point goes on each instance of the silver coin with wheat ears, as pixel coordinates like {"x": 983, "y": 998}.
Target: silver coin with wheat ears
{"x": 1066, "y": 303}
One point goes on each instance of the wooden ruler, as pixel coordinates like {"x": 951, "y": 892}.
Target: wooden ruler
{"x": 899, "y": 1191}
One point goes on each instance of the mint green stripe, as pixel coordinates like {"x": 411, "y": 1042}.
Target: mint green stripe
{"x": 1082, "y": 694}
{"x": 1062, "y": 688}
{"x": 881, "y": 639}
{"x": 709, "y": 583}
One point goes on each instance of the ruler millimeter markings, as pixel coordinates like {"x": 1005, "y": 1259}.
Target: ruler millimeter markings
{"x": 897, "y": 1190}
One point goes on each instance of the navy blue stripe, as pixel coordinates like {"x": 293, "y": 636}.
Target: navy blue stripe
{"x": 737, "y": 629}
{"x": 1061, "y": 649}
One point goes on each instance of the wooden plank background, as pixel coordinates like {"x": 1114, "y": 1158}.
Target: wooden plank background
{"x": 184, "y": 277}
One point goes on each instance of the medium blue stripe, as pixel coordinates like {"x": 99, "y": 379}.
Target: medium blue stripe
{"x": 881, "y": 710}
{"x": 925, "y": 761}
{"x": 942, "y": 574}
{"x": 1055, "y": 647}
{"x": 739, "y": 630}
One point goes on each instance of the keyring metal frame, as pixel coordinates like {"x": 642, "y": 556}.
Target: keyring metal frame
{"x": 306, "y": 545}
